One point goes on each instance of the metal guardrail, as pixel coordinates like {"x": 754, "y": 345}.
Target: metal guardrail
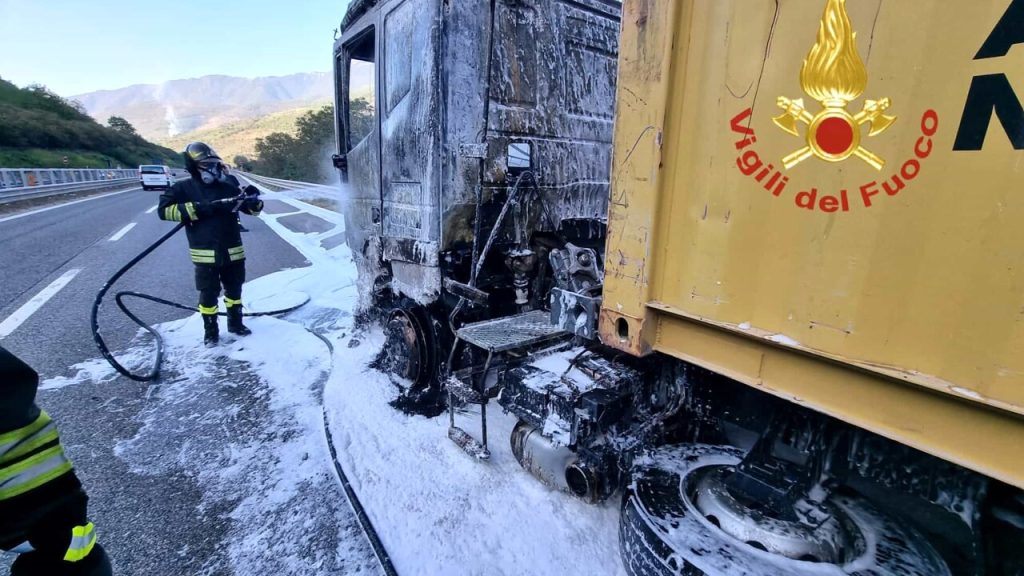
{"x": 8, "y": 195}
{"x": 278, "y": 183}
{"x": 32, "y": 177}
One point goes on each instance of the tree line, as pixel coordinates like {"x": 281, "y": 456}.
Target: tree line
{"x": 34, "y": 118}
{"x": 306, "y": 155}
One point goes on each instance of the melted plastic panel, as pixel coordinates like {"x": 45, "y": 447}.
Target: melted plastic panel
{"x": 409, "y": 144}
{"x": 550, "y": 82}
{"x": 362, "y": 195}
{"x": 553, "y": 86}
{"x": 408, "y": 135}
{"x": 466, "y": 33}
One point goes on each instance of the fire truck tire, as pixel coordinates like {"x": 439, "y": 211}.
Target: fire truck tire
{"x": 661, "y": 531}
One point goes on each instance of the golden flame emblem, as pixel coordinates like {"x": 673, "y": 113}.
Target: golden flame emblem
{"x": 834, "y": 75}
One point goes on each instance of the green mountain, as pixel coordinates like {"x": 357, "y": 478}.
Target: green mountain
{"x": 39, "y": 129}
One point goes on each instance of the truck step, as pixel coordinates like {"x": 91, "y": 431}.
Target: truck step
{"x": 468, "y": 444}
{"x": 511, "y": 332}
{"x": 464, "y": 391}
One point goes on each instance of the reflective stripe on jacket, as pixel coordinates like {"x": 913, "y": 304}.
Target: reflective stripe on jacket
{"x": 214, "y": 239}
{"x": 30, "y": 457}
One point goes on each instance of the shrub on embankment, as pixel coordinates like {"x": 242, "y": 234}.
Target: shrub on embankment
{"x": 39, "y": 128}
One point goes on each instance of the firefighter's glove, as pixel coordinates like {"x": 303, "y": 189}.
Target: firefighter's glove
{"x": 204, "y": 210}
{"x": 252, "y": 197}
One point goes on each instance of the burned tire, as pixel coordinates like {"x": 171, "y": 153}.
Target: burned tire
{"x": 663, "y": 532}
{"x": 410, "y": 354}
{"x": 408, "y": 350}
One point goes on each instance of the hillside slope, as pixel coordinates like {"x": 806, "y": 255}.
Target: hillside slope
{"x": 239, "y": 137}
{"x": 39, "y": 128}
{"x": 169, "y": 109}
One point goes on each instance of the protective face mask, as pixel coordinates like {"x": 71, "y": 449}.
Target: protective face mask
{"x": 212, "y": 174}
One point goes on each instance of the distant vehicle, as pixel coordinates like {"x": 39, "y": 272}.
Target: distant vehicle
{"x": 153, "y": 177}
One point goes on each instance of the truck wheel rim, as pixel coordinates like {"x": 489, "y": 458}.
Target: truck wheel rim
{"x": 822, "y": 533}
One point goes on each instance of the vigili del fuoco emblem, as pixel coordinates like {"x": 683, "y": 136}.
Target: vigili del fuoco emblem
{"x": 834, "y": 75}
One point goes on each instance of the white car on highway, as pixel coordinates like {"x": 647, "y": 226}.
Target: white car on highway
{"x": 152, "y": 177}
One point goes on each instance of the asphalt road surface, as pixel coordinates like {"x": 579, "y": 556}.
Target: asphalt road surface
{"x": 89, "y": 241}
{"x": 53, "y": 262}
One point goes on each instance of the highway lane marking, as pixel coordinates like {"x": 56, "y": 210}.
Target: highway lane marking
{"x": 120, "y": 233}
{"x": 73, "y": 202}
{"x": 153, "y": 209}
{"x": 29, "y": 308}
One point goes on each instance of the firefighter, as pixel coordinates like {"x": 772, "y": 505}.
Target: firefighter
{"x": 42, "y": 504}
{"x": 206, "y": 204}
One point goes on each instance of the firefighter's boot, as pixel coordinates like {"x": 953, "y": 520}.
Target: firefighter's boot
{"x": 235, "y": 325}
{"x": 211, "y": 332}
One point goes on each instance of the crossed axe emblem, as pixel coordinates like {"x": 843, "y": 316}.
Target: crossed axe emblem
{"x": 873, "y": 115}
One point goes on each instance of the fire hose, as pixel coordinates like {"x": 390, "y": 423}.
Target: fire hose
{"x": 154, "y": 371}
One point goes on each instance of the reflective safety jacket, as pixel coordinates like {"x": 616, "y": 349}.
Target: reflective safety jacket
{"x": 212, "y": 240}
{"x": 37, "y": 482}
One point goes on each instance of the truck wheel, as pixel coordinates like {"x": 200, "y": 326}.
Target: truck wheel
{"x": 678, "y": 518}
{"x": 410, "y": 354}
{"x": 407, "y": 351}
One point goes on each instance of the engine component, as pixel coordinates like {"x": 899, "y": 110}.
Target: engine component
{"x": 575, "y": 313}
{"x": 576, "y": 268}
{"x": 522, "y": 263}
{"x": 582, "y": 391}
{"x": 541, "y": 456}
{"x": 590, "y": 477}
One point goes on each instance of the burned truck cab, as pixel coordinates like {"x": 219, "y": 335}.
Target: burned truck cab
{"x": 474, "y": 139}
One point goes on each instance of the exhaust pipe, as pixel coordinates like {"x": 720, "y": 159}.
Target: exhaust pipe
{"x": 583, "y": 481}
{"x": 552, "y": 464}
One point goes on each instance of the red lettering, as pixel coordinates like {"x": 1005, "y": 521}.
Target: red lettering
{"x": 846, "y": 200}
{"x": 906, "y": 171}
{"x": 867, "y": 191}
{"x": 782, "y": 186}
{"x": 829, "y": 204}
{"x": 896, "y": 187}
{"x": 737, "y": 123}
{"x": 749, "y": 162}
{"x": 930, "y": 123}
{"x": 922, "y": 154}
{"x": 761, "y": 175}
{"x": 806, "y": 199}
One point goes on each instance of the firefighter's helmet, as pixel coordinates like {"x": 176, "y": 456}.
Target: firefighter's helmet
{"x": 202, "y": 162}
{"x": 198, "y": 153}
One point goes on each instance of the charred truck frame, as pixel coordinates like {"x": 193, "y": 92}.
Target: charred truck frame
{"x": 511, "y": 260}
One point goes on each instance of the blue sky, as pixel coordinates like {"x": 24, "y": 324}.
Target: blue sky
{"x": 78, "y": 46}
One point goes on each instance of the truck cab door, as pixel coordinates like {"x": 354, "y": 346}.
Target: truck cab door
{"x": 409, "y": 129}
{"x": 358, "y": 156}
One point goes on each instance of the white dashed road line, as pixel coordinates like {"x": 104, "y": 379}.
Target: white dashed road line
{"x": 29, "y": 308}
{"x": 72, "y": 203}
{"x": 120, "y": 233}
{"x": 153, "y": 209}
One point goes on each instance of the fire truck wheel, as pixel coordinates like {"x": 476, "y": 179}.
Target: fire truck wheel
{"x": 678, "y": 518}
